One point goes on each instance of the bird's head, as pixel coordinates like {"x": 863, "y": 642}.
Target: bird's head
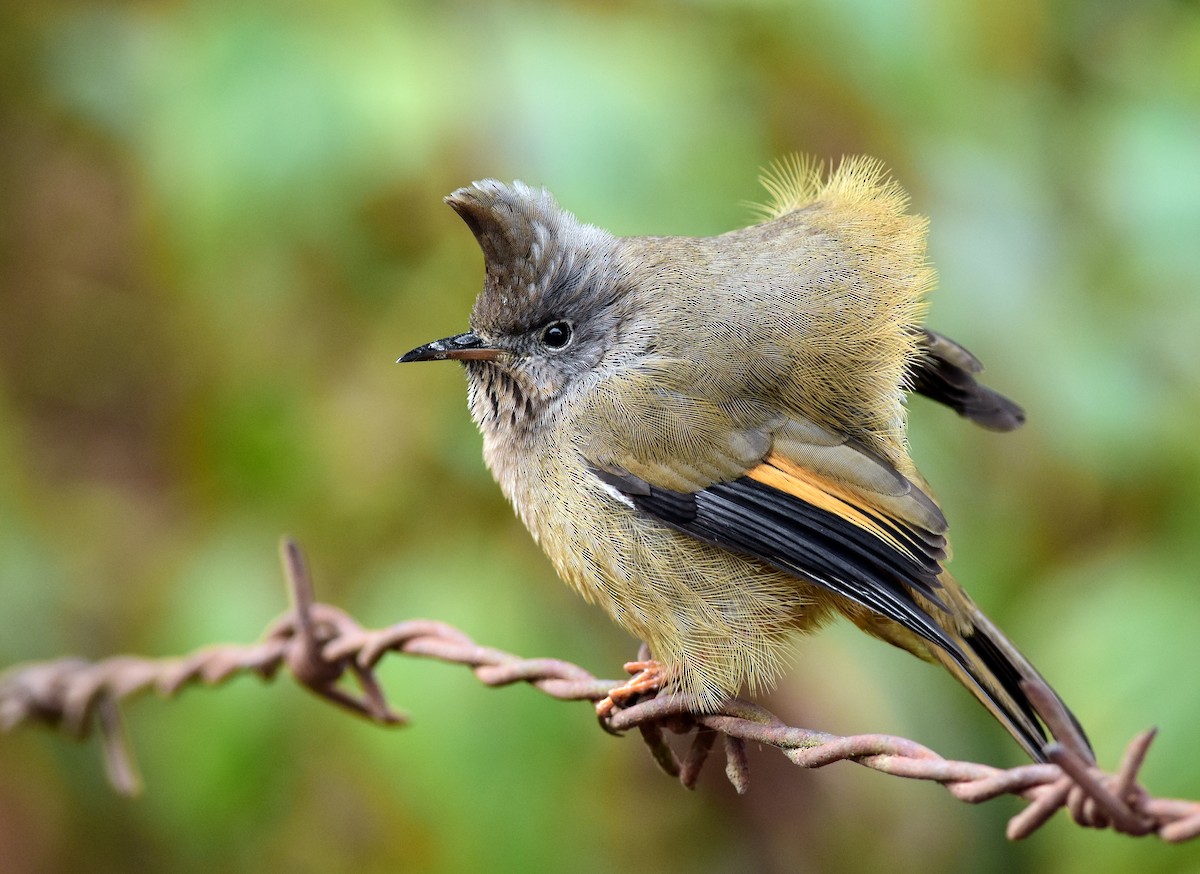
{"x": 551, "y": 307}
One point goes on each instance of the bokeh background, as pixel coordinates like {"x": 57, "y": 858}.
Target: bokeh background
{"x": 221, "y": 222}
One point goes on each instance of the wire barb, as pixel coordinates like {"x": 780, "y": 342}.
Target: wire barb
{"x": 323, "y": 648}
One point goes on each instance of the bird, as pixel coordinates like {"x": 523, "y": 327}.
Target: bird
{"x": 707, "y": 436}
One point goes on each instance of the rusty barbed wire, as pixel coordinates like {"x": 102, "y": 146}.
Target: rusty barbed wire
{"x": 321, "y": 646}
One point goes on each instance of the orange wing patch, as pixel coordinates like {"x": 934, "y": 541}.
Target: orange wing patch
{"x": 783, "y": 475}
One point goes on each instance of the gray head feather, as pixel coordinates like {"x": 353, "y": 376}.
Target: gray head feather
{"x": 543, "y": 267}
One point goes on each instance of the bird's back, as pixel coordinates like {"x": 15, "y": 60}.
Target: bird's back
{"x": 810, "y": 312}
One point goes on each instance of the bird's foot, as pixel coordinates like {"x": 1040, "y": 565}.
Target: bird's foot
{"x": 647, "y": 678}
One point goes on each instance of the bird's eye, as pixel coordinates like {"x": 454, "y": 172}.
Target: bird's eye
{"x": 557, "y": 334}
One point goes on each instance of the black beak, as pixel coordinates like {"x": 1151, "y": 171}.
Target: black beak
{"x": 462, "y": 347}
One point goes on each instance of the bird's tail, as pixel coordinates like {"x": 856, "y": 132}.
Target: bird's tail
{"x": 991, "y": 667}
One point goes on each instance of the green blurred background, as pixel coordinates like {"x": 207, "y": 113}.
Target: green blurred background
{"x": 221, "y": 222}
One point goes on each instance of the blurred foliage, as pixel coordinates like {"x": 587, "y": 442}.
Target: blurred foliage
{"x": 220, "y": 223}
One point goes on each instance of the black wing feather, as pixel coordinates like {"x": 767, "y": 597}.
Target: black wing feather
{"x": 788, "y": 533}
{"x": 796, "y": 537}
{"x": 945, "y": 372}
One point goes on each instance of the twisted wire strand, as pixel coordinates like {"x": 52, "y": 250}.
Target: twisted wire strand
{"x": 331, "y": 654}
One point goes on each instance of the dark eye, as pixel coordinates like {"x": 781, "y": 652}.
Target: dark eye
{"x": 557, "y": 334}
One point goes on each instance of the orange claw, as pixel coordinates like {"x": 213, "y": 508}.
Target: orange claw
{"x": 647, "y": 677}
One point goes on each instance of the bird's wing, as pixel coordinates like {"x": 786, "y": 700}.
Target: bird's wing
{"x": 730, "y": 471}
{"x": 947, "y": 373}
{"x": 815, "y": 504}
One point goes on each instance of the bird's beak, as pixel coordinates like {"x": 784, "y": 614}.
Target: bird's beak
{"x": 461, "y": 347}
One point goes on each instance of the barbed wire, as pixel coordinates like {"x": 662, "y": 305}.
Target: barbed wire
{"x": 322, "y": 647}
